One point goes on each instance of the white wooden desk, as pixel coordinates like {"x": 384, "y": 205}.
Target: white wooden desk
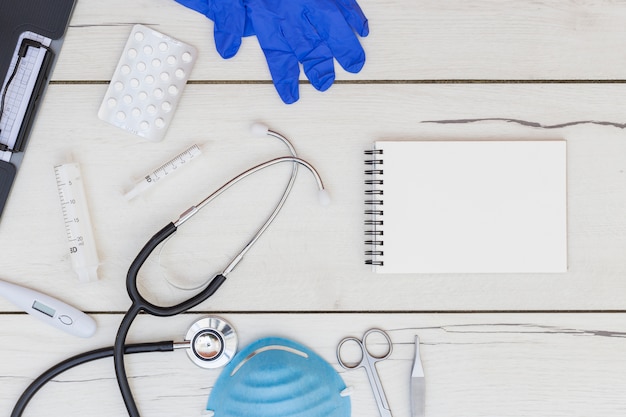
{"x": 493, "y": 345}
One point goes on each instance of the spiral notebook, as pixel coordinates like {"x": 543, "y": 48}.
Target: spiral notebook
{"x": 466, "y": 206}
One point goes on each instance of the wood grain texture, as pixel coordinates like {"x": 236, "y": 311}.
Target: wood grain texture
{"x": 435, "y": 69}
{"x": 475, "y": 365}
{"x": 409, "y": 40}
{"x": 312, "y": 257}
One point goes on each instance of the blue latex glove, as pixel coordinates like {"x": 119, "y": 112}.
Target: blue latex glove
{"x": 311, "y": 32}
{"x": 229, "y": 17}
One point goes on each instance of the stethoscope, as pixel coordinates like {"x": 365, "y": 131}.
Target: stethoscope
{"x": 206, "y": 333}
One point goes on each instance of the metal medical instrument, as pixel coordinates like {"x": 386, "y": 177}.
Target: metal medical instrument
{"x": 259, "y": 130}
{"x": 141, "y": 304}
{"x": 368, "y": 361}
{"x": 211, "y": 342}
{"x": 49, "y": 310}
{"x": 170, "y": 167}
{"x": 418, "y": 384}
{"x": 80, "y": 239}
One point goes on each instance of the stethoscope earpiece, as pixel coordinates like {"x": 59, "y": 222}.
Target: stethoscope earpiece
{"x": 211, "y": 342}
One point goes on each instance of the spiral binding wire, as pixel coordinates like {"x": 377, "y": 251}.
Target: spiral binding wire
{"x": 373, "y": 207}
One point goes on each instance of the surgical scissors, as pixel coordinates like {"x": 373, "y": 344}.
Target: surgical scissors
{"x": 368, "y": 361}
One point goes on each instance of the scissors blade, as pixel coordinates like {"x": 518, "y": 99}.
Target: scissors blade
{"x": 418, "y": 384}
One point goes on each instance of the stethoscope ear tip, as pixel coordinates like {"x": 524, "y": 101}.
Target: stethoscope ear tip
{"x": 259, "y": 129}
{"x": 323, "y": 197}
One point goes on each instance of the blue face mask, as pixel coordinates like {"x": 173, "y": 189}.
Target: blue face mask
{"x": 275, "y": 377}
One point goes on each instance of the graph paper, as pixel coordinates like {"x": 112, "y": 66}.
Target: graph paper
{"x": 20, "y": 90}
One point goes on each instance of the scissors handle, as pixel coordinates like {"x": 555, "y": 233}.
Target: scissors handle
{"x": 349, "y": 365}
{"x": 366, "y": 354}
{"x": 368, "y": 361}
{"x": 384, "y": 356}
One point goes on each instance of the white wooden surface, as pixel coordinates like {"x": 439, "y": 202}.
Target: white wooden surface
{"x": 494, "y": 345}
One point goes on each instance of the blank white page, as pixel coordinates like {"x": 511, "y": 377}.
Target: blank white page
{"x": 473, "y": 206}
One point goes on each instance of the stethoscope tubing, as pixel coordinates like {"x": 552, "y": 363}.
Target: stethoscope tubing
{"x": 139, "y": 303}
{"x": 80, "y": 359}
{"x": 160, "y": 311}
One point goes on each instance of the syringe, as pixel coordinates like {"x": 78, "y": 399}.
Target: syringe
{"x": 163, "y": 171}
{"x": 80, "y": 239}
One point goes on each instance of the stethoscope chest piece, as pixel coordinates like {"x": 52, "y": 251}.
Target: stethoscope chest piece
{"x": 212, "y": 342}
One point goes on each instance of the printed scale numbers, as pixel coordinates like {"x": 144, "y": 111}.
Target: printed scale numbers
{"x": 80, "y": 239}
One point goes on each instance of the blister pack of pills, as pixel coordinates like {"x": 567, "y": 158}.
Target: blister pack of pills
{"x": 147, "y": 83}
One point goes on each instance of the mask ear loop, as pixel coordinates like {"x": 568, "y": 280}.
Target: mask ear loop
{"x": 260, "y": 130}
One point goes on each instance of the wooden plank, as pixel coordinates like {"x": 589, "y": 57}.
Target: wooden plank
{"x": 475, "y": 365}
{"x": 312, "y": 257}
{"x": 409, "y": 40}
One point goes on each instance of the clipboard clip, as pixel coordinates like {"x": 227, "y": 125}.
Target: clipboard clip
{"x": 23, "y": 50}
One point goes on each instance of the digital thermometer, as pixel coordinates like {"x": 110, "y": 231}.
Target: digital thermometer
{"x": 49, "y": 310}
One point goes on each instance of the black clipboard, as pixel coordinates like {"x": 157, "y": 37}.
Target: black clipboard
{"x": 48, "y": 18}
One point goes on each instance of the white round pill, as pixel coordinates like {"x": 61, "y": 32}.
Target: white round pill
{"x": 180, "y": 73}
{"x": 156, "y": 62}
{"x": 125, "y": 69}
{"x": 142, "y": 95}
{"x": 163, "y": 46}
{"x": 166, "y": 106}
{"x": 141, "y": 66}
{"x": 158, "y": 93}
{"x": 136, "y": 112}
{"x": 111, "y": 102}
{"x": 134, "y": 82}
{"x": 119, "y": 86}
{"x": 172, "y": 89}
{"x": 132, "y": 53}
{"x": 151, "y": 109}
{"x": 149, "y": 79}
{"x": 139, "y": 36}
{"x": 120, "y": 115}
{"x": 165, "y": 76}
{"x": 144, "y": 125}
{"x": 147, "y": 50}
{"x": 171, "y": 59}
{"x": 128, "y": 99}
{"x": 159, "y": 122}
{"x": 186, "y": 57}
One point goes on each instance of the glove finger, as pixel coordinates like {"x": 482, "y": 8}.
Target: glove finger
{"x": 341, "y": 40}
{"x": 226, "y": 43}
{"x": 201, "y": 6}
{"x": 281, "y": 60}
{"x": 319, "y": 67}
{"x": 285, "y": 71}
{"x": 354, "y": 16}
{"x": 230, "y": 25}
{"x": 315, "y": 56}
{"x": 248, "y": 29}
